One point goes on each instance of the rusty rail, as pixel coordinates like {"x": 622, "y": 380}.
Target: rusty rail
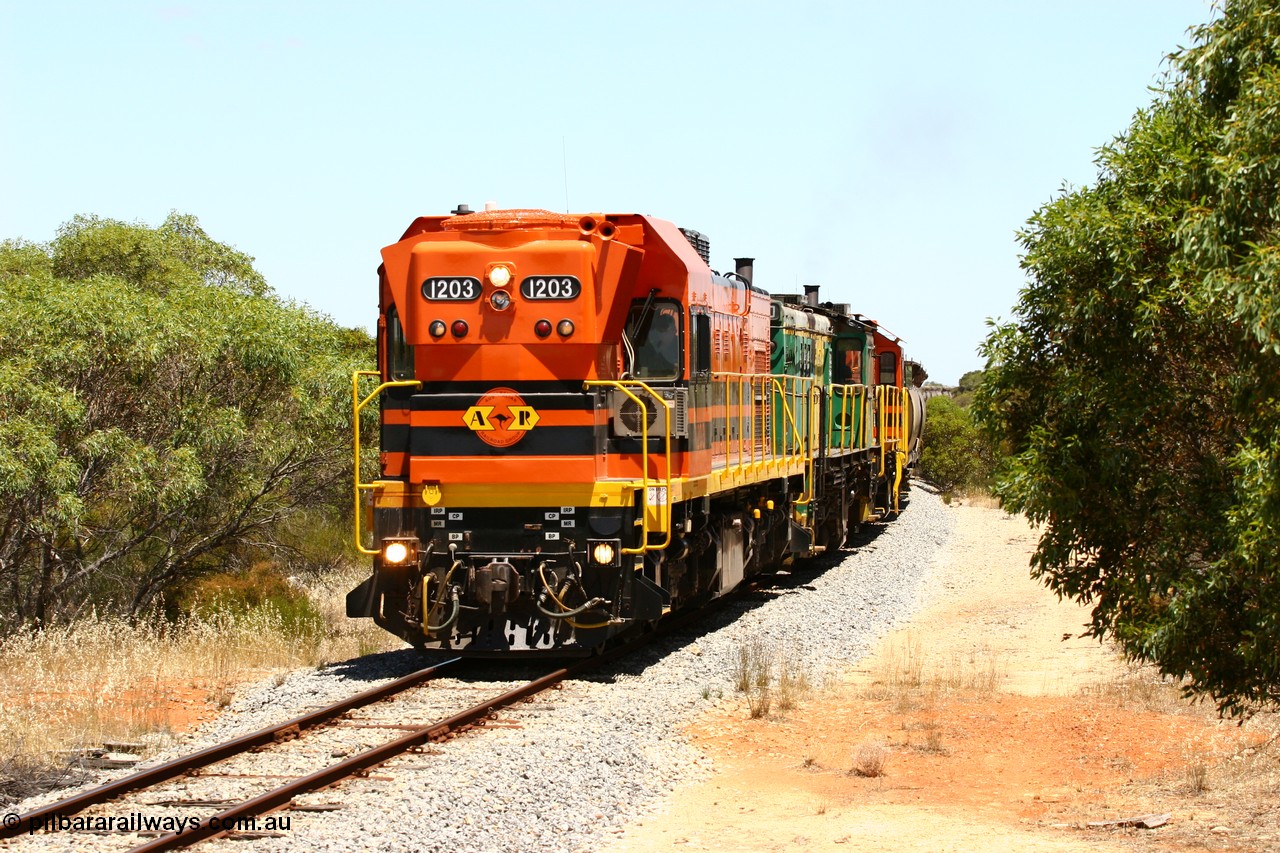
{"x": 282, "y": 796}
{"x": 432, "y": 732}
{"x": 181, "y": 766}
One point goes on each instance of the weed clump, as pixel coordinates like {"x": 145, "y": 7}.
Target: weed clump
{"x": 754, "y": 674}
{"x": 870, "y": 760}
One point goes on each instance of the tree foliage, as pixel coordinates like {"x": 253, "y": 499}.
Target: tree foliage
{"x": 162, "y": 410}
{"x": 1139, "y": 384}
{"x": 970, "y": 381}
{"x": 956, "y": 455}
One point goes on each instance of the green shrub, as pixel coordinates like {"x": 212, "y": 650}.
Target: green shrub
{"x": 315, "y": 541}
{"x": 956, "y": 457}
{"x": 163, "y": 414}
{"x": 261, "y": 589}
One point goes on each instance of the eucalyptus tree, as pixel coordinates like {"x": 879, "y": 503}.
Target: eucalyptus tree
{"x": 160, "y": 410}
{"x": 1138, "y": 385}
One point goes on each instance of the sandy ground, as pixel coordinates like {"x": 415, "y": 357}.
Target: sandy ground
{"x": 988, "y": 724}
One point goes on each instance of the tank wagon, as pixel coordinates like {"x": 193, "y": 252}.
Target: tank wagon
{"x": 584, "y": 428}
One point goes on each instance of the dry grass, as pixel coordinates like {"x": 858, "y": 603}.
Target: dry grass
{"x": 1142, "y": 688}
{"x": 753, "y": 666}
{"x": 754, "y": 674}
{"x": 758, "y": 702}
{"x": 1227, "y": 773}
{"x": 104, "y": 680}
{"x": 1197, "y": 772}
{"x": 909, "y": 673}
{"x": 932, "y": 731}
{"x": 870, "y": 760}
{"x": 793, "y": 681}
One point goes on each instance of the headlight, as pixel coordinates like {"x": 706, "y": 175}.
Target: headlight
{"x": 605, "y": 552}
{"x": 397, "y": 551}
{"x": 500, "y": 276}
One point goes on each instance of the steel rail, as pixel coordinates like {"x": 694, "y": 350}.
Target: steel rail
{"x": 185, "y": 764}
{"x": 224, "y": 821}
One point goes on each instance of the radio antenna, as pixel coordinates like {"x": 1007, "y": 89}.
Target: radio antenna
{"x": 564, "y": 159}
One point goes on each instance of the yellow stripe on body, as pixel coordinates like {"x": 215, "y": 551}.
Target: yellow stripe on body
{"x": 394, "y": 493}
{"x": 389, "y": 494}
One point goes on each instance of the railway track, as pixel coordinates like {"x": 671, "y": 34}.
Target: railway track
{"x": 44, "y": 821}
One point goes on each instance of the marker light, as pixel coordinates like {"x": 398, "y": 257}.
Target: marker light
{"x": 395, "y": 553}
{"x": 437, "y": 328}
{"x": 500, "y": 300}
{"x": 603, "y": 554}
{"x": 542, "y": 328}
{"x": 459, "y": 328}
{"x": 499, "y": 276}
{"x": 565, "y": 328}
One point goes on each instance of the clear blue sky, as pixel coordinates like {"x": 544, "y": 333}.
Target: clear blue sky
{"x": 886, "y": 151}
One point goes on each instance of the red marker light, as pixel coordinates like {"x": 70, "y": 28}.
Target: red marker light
{"x": 542, "y": 328}
{"x": 459, "y": 328}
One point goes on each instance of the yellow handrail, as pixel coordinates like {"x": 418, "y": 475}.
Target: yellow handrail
{"x": 644, "y": 456}
{"x": 845, "y": 392}
{"x": 793, "y": 446}
{"x": 356, "y": 405}
{"x": 811, "y": 451}
{"x": 897, "y": 423}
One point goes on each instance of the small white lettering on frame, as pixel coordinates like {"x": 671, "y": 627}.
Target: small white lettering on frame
{"x": 567, "y": 522}
{"x": 437, "y": 510}
{"x": 553, "y": 534}
{"x": 455, "y": 516}
{"x": 437, "y": 522}
{"x": 566, "y": 510}
{"x": 455, "y": 537}
{"x": 553, "y": 516}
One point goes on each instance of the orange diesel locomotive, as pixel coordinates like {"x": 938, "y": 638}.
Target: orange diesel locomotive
{"x": 584, "y": 427}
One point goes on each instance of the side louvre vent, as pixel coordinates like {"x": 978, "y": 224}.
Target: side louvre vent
{"x": 627, "y": 414}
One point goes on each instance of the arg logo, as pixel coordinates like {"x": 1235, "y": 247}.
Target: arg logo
{"x": 500, "y": 418}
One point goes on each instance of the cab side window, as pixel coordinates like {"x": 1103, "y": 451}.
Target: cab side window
{"x": 656, "y": 337}
{"x": 399, "y": 352}
{"x": 888, "y": 369}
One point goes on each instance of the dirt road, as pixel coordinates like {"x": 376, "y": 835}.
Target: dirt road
{"x": 985, "y": 724}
